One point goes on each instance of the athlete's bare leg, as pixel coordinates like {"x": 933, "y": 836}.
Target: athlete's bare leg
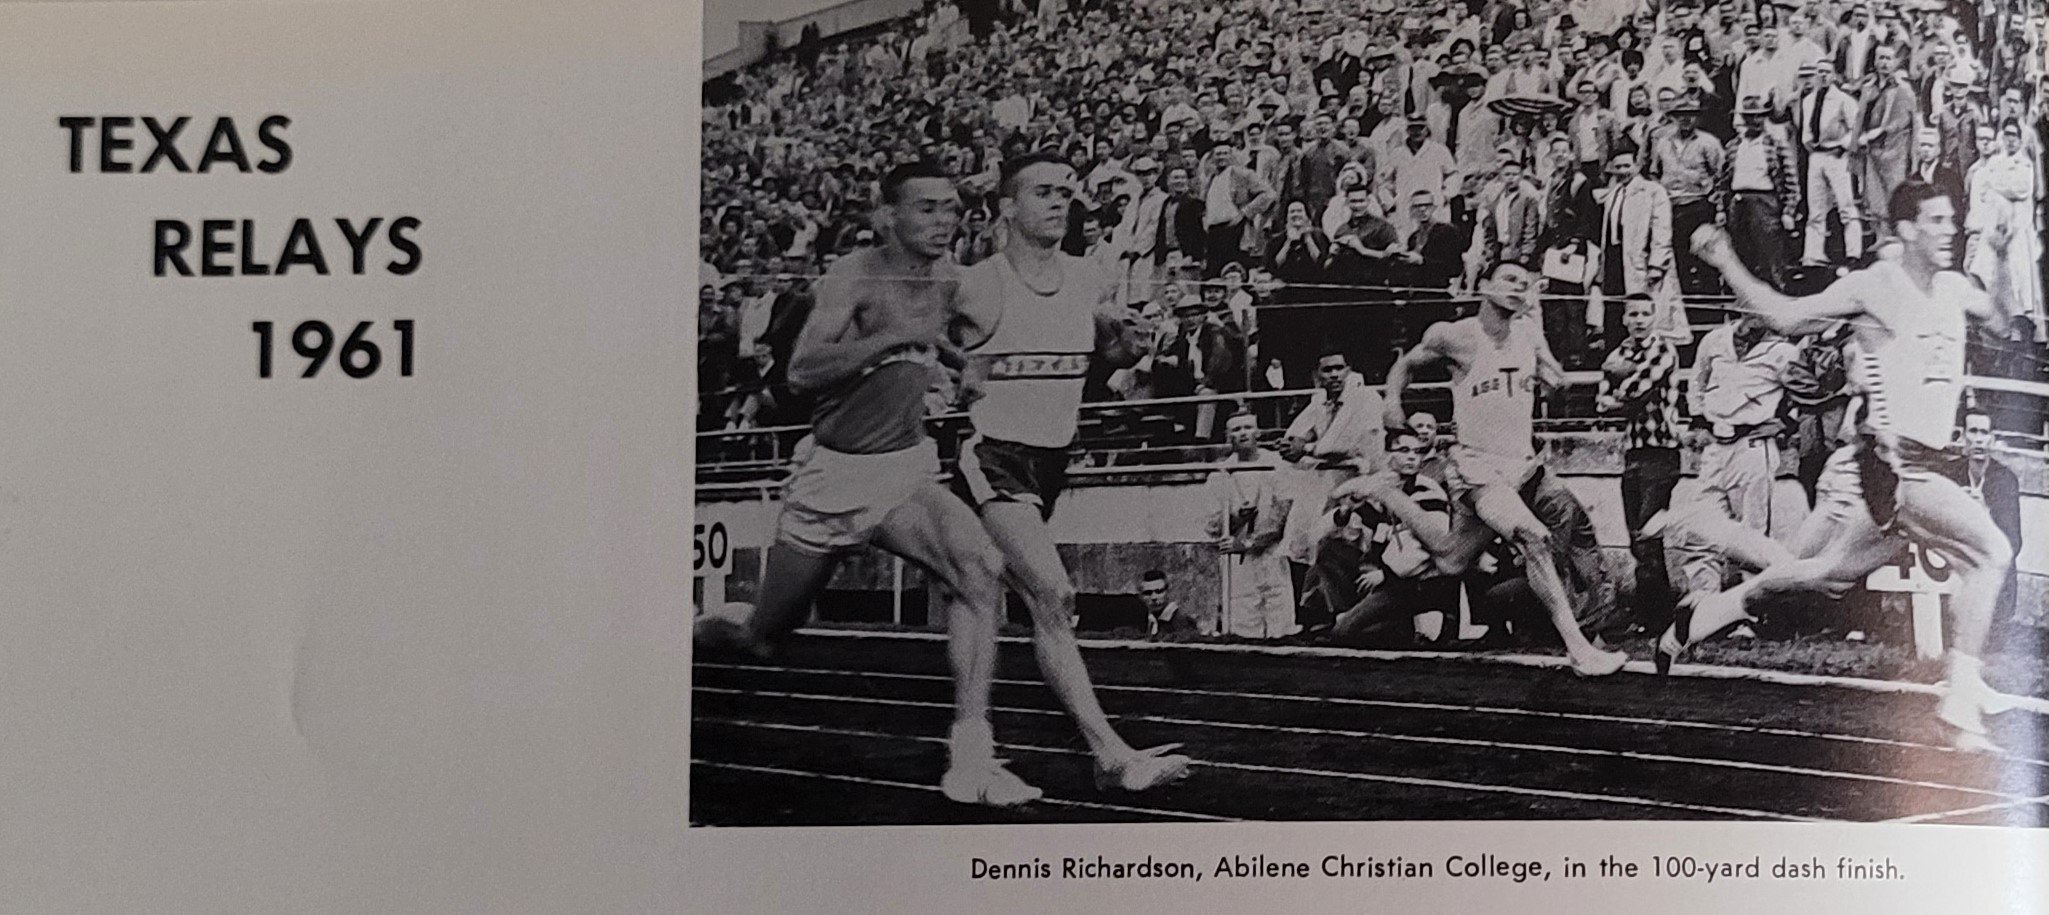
{"x": 939, "y": 533}
{"x": 1503, "y": 510}
{"x": 1033, "y": 566}
{"x": 794, "y": 578}
{"x": 1854, "y": 549}
{"x": 1938, "y": 513}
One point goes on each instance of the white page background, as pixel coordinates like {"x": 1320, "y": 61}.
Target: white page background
{"x": 372, "y": 645}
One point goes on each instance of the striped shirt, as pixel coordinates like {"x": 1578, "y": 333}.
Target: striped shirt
{"x": 1648, "y": 396}
{"x": 1389, "y": 542}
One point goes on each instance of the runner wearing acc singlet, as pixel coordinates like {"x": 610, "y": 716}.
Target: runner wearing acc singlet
{"x": 1498, "y": 358}
{"x": 867, "y": 473}
{"x": 1052, "y": 315}
{"x": 1908, "y": 320}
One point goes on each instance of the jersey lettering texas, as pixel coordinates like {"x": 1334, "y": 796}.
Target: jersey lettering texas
{"x": 1039, "y": 365}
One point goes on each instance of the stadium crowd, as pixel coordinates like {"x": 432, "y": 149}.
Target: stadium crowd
{"x": 1291, "y": 191}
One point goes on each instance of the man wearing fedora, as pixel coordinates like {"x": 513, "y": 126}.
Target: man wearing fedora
{"x": 1758, "y": 193}
{"x": 1688, "y": 163}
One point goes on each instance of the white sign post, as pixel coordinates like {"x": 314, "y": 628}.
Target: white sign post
{"x": 711, "y": 562}
{"x": 1926, "y": 576}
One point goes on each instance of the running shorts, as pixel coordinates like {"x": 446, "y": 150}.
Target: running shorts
{"x": 992, "y": 470}
{"x": 834, "y": 501}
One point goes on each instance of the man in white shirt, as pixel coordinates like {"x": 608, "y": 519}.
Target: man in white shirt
{"x": 1826, "y": 121}
{"x": 1247, "y": 507}
{"x": 1739, "y": 380}
{"x": 1420, "y": 164}
{"x": 1335, "y": 438}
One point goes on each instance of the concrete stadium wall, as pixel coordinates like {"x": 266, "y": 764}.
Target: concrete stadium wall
{"x": 1115, "y": 524}
{"x": 837, "y": 19}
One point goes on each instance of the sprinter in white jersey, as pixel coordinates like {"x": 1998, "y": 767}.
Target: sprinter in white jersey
{"x": 868, "y": 473}
{"x": 1908, "y": 320}
{"x": 1498, "y": 359}
{"x": 1052, "y": 314}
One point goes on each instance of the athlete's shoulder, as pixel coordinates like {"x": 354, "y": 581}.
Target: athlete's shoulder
{"x": 1961, "y": 288}
{"x": 855, "y": 266}
{"x": 1087, "y": 271}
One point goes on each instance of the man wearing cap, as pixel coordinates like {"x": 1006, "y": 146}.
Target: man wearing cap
{"x": 1887, "y": 141}
{"x": 1827, "y": 124}
{"x": 1958, "y": 120}
{"x": 1689, "y": 164}
{"x": 1757, "y": 194}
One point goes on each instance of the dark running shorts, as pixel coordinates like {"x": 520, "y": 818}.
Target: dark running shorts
{"x": 999, "y": 471}
{"x": 1881, "y": 483}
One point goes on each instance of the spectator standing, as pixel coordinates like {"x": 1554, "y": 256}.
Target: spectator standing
{"x": 1739, "y": 383}
{"x": 1758, "y": 194}
{"x": 1511, "y": 226}
{"x": 1639, "y": 382}
{"x": 1247, "y": 518}
{"x": 1887, "y": 141}
{"x": 1634, "y": 256}
{"x": 1828, "y": 119}
{"x": 1238, "y": 200}
{"x": 1688, "y": 162}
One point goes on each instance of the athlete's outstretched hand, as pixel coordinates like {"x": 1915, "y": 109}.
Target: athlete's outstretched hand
{"x": 1393, "y": 417}
{"x": 1711, "y": 244}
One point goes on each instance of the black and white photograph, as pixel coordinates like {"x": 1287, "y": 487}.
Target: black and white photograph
{"x": 1364, "y": 410}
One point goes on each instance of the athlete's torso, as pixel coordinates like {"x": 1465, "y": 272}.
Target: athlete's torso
{"x": 1493, "y": 389}
{"x": 883, "y": 408}
{"x": 1038, "y": 356}
{"x": 1912, "y": 362}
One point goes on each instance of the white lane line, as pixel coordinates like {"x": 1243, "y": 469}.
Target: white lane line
{"x": 1416, "y": 706}
{"x": 934, "y": 789}
{"x": 1967, "y": 811}
{"x": 1700, "y": 671}
{"x": 1404, "y": 780}
{"x": 1403, "y": 738}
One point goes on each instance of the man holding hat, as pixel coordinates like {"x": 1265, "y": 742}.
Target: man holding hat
{"x": 1758, "y": 193}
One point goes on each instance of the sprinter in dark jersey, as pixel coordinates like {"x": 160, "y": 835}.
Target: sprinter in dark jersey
{"x": 868, "y": 472}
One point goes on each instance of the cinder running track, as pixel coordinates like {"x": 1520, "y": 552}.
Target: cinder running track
{"x": 849, "y": 730}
